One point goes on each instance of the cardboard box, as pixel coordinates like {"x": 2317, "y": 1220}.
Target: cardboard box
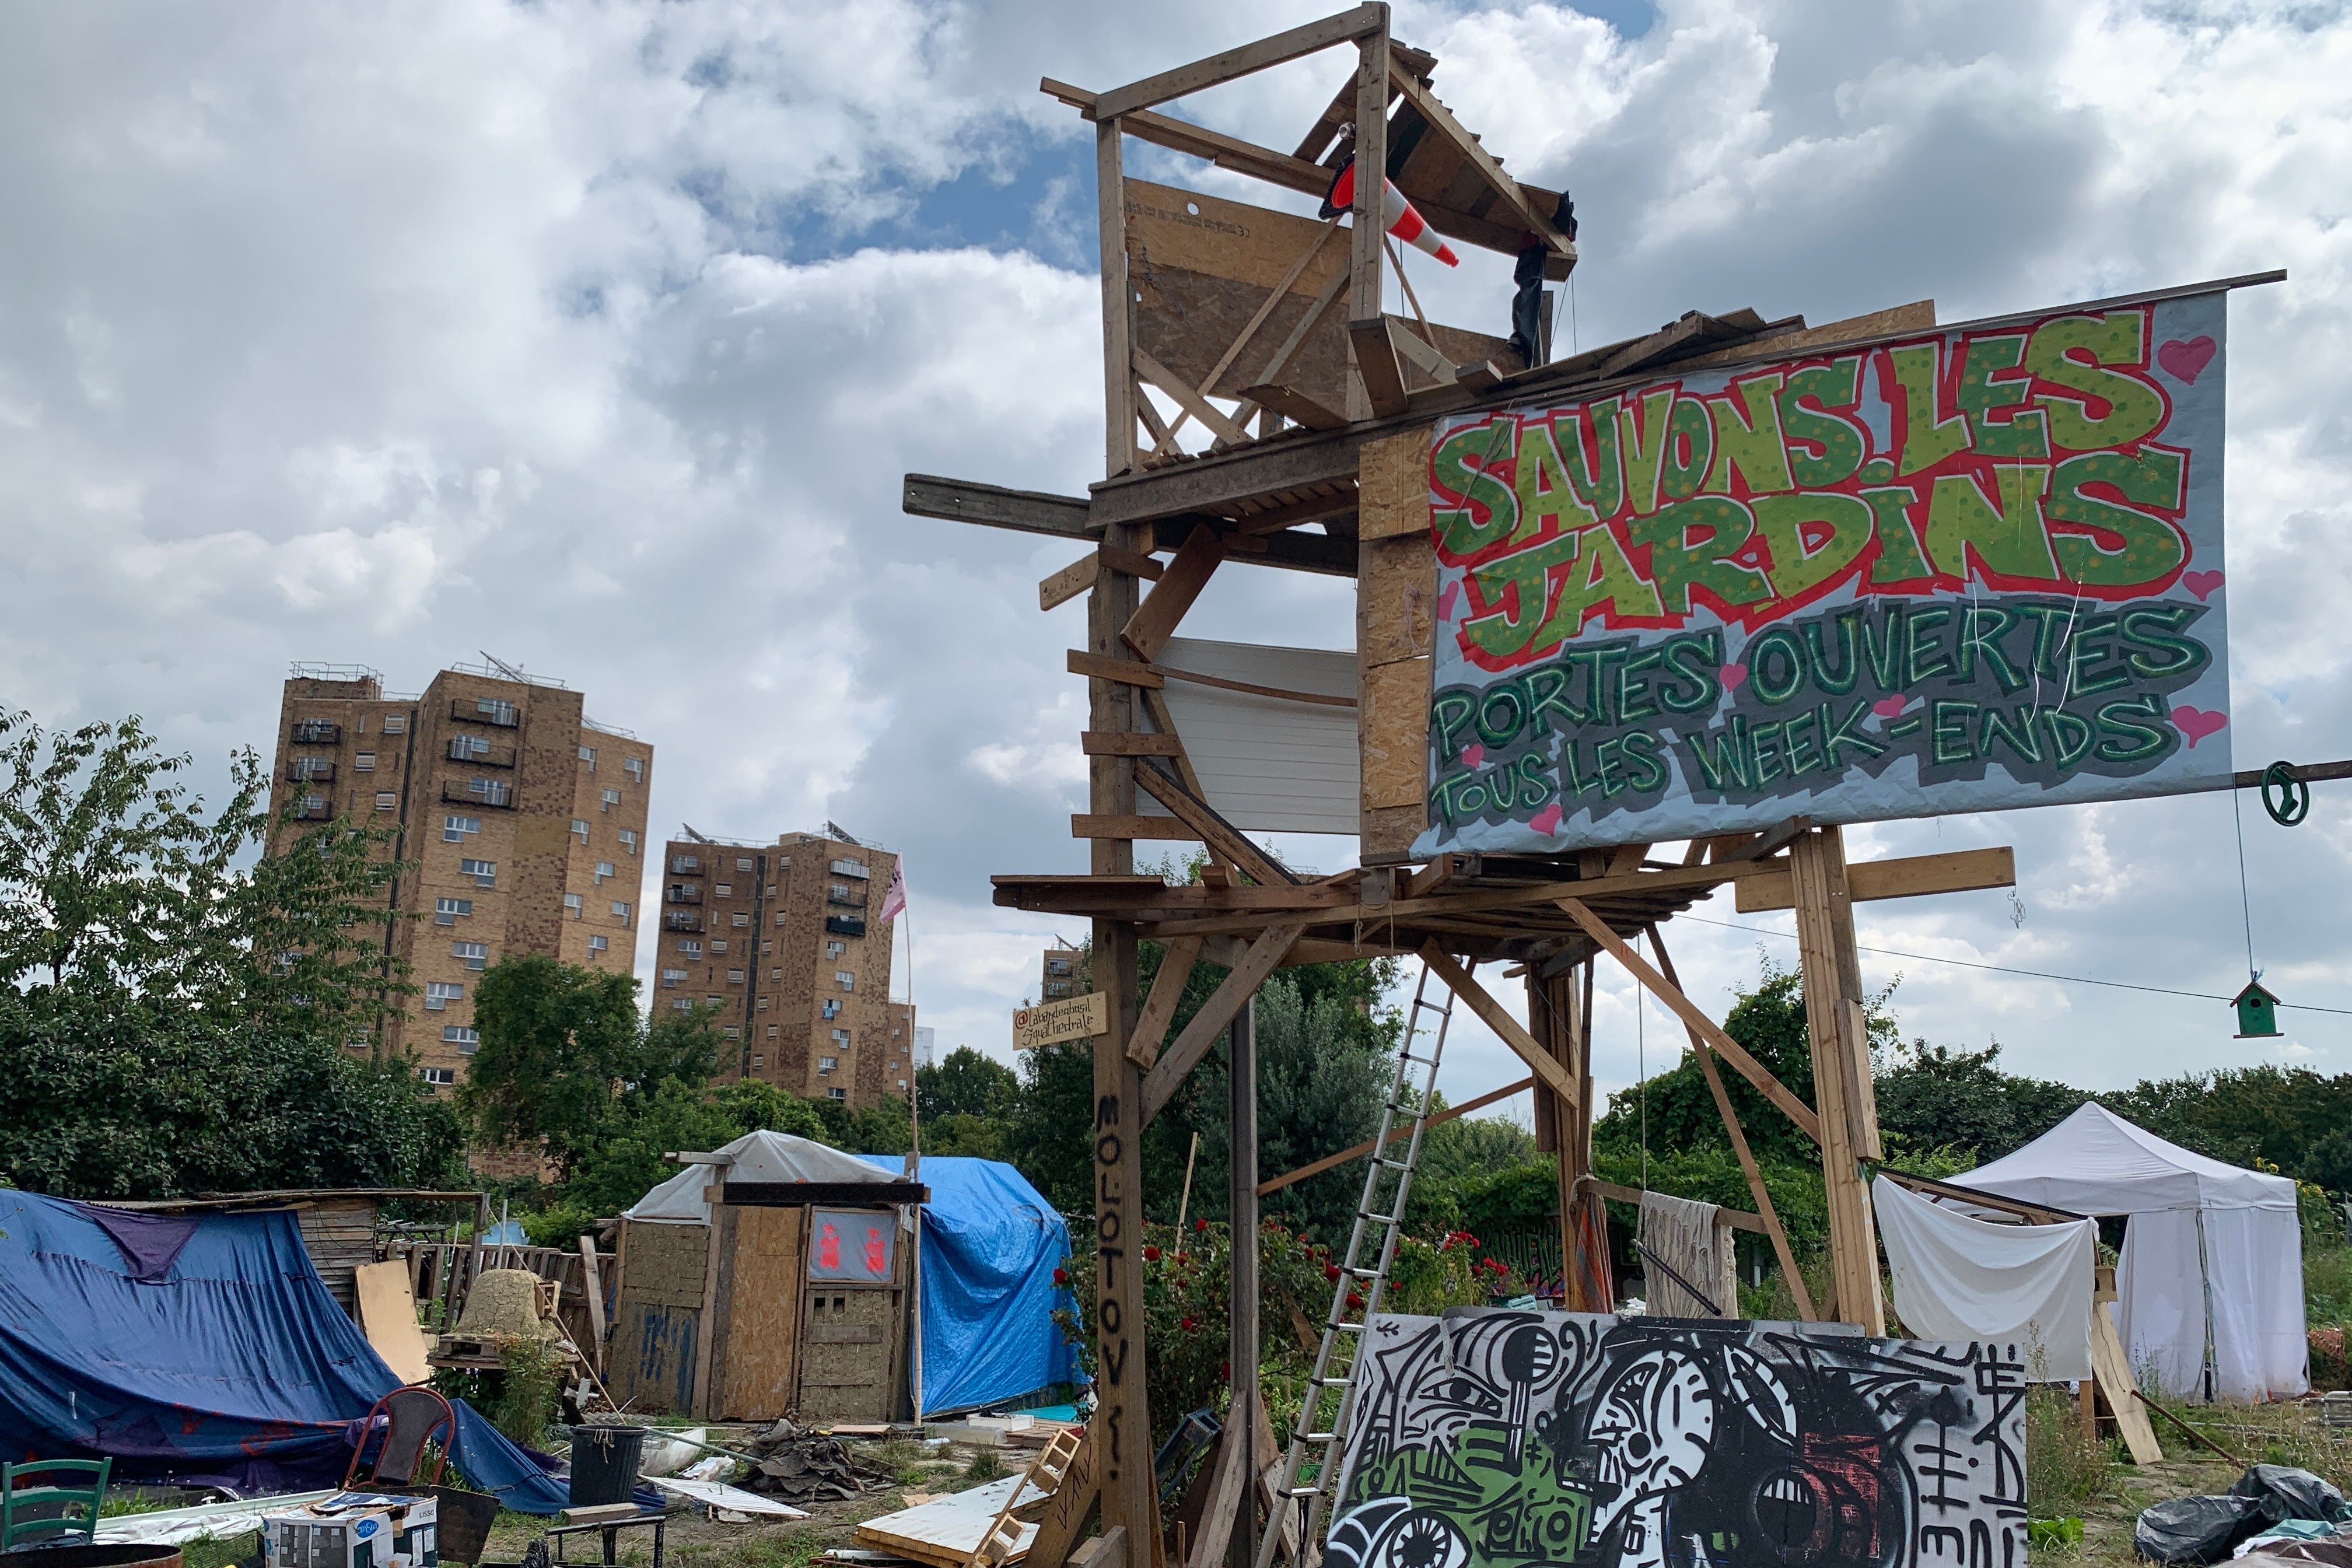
{"x": 353, "y": 1530}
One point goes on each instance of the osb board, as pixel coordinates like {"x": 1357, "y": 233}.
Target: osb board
{"x": 1228, "y": 239}
{"x": 1392, "y": 486}
{"x": 1918, "y": 317}
{"x": 1396, "y": 589}
{"x": 1395, "y": 715}
{"x": 1388, "y": 834}
{"x": 666, "y": 1263}
{"x": 388, "y": 1318}
{"x": 651, "y": 1370}
{"x": 760, "y": 1318}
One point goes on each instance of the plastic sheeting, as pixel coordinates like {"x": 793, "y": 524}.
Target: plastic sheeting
{"x": 1962, "y": 1278}
{"x": 990, "y": 1245}
{"x": 761, "y": 1156}
{"x": 2200, "y": 1231}
{"x": 228, "y": 1364}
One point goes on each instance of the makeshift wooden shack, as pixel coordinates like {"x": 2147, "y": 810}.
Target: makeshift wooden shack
{"x": 338, "y": 1224}
{"x": 768, "y": 1278}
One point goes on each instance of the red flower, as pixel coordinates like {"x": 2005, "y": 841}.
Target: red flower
{"x": 1061, "y": 1277}
{"x": 1330, "y": 1271}
{"x": 1199, "y": 1225}
{"x": 1189, "y": 1325}
{"x": 1183, "y": 1257}
{"x": 1354, "y": 1302}
{"x": 1226, "y": 1370}
{"x": 1151, "y": 1255}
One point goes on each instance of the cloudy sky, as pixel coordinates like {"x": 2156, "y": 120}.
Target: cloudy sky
{"x": 598, "y": 336}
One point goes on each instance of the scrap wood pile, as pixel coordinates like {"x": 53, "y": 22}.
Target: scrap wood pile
{"x": 803, "y": 1466}
{"x": 945, "y": 1532}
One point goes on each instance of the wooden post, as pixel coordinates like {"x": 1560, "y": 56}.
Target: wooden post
{"x": 591, "y": 1286}
{"x": 1364, "y": 259}
{"x": 1817, "y": 874}
{"x": 1119, "y": 314}
{"x": 1241, "y": 1420}
{"x": 1551, "y": 1008}
{"x": 706, "y": 1336}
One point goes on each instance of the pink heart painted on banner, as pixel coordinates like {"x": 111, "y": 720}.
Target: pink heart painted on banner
{"x": 2187, "y": 360}
{"x": 1473, "y": 754}
{"x": 1891, "y": 707}
{"x": 2201, "y": 584}
{"x": 1732, "y": 675}
{"x": 2197, "y": 723}
{"x": 1452, "y": 592}
{"x": 1546, "y": 821}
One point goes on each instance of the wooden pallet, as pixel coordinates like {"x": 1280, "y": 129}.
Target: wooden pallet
{"x": 1001, "y": 1543}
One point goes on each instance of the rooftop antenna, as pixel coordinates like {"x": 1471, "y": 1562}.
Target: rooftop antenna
{"x": 688, "y": 828}
{"x": 503, "y": 667}
{"x": 836, "y": 831}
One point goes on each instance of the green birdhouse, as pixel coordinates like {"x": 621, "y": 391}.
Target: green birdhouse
{"x": 2257, "y": 1012}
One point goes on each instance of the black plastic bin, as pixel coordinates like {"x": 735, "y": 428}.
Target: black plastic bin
{"x": 604, "y": 1462}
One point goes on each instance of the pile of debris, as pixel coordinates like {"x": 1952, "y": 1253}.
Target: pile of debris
{"x": 804, "y": 1466}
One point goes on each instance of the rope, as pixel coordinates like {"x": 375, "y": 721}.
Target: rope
{"x": 1641, "y": 1069}
{"x": 2245, "y": 899}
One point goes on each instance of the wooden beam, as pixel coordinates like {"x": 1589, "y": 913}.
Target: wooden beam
{"x": 1769, "y": 1216}
{"x": 1320, "y": 698}
{"x": 1905, "y": 877}
{"x": 1440, "y": 120}
{"x": 1190, "y": 401}
{"x": 1126, "y": 671}
{"x": 993, "y": 506}
{"x": 1817, "y": 868}
{"x": 1129, "y": 744}
{"x": 1211, "y": 828}
{"x": 1099, "y": 825}
{"x": 1177, "y": 1062}
{"x": 1117, "y": 302}
{"x": 1159, "y": 1008}
{"x": 1068, "y": 583}
{"x": 1368, "y": 221}
{"x": 1410, "y": 346}
{"x": 1377, "y": 364}
{"x": 1738, "y": 1219}
{"x": 1197, "y": 141}
{"x": 1451, "y": 1113}
{"x": 1289, "y": 514}
{"x": 1156, "y": 618}
{"x": 1233, "y": 64}
{"x": 1771, "y": 841}
{"x": 1514, "y": 1033}
{"x": 1275, "y": 297}
{"x": 2031, "y": 1214}
{"x": 1753, "y": 1071}
{"x": 1295, "y": 406}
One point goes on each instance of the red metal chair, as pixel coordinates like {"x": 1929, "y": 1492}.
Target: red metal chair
{"x": 410, "y": 1417}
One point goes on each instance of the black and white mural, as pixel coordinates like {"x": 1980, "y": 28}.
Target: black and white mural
{"x": 1509, "y": 1438}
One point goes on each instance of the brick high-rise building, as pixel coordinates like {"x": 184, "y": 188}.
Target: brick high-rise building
{"x": 526, "y": 820}
{"x": 784, "y": 938}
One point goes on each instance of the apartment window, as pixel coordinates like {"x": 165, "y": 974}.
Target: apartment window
{"x": 467, "y": 1040}
{"x": 741, "y": 922}
{"x": 759, "y": 1059}
{"x": 731, "y": 1032}
{"x": 850, "y": 869}
{"x": 833, "y": 1007}
{"x": 777, "y": 973}
{"x": 455, "y": 828}
{"x": 836, "y": 949}
{"x": 836, "y": 1094}
{"x": 572, "y": 905}
{"x": 723, "y": 890}
{"x": 395, "y": 723}
{"x": 492, "y": 792}
{"x": 439, "y": 1078}
{"x": 742, "y": 862}
{"x": 603, "y": 871}
{"x": 635, "y": 767}
{"x": 612, "y": 798}
{"x": 439, "y": 993}
{"x": 717, "y": 944}
{"x": 689, "y": 950}
{"x": 365, "y": 762}
{"x": 314, "y": 805}
{"x": 682, "y": 1005}
{"x": 681, "y": 864}
{"x": 826, "y": 1064}
{"x": 734, "y": 977}
{"x": 498, "y": 709}
{"x": 621, "y": 912}
{"x": 670, "y": 977}
{"x": 846, "y": 980}
{"x": 476, "y": 955}
{"x": 772, "y": 1031}
{"x": 714, "y": 1000}
{"x": 314, "y": 767}
{"x": 628, "y": 839}
{"x": 780, "y": 917}
{"x": 446, "y": 910}
{"x": 839, "y": 891}
{"x": 841, "y": 1038}
{"x": 466, "y": 748}
{"x": 386, "y": 800}
{"x": 484, "y": 872}
{"x": 764, "y": 1004}
{"x": 580, "y": 828}
{"x": 588, "y": 755}
{"x": 765, "y": 949}
{"x": 598, "y": 945}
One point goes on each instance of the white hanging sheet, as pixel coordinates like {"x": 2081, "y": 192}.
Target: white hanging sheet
{"x": 1686, "y": 1239}
{"x": 1961, "y": 1278}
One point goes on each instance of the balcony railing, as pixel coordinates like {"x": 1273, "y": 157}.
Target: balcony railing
{"x": 683, "y": 895}
{"x": 318, "y": 732}
{"x": 498, "y": 797}
{"x": 681, "y": 920}
{"x": 313, "y": 808}
{"x": 310, "y": 770}
{"x": 844, "y": 925}
{"x": 504, "y": 715}
{"x": 681, "y": 864}
{"x": 462, "y": 750}
{"x": 855, "y": 899}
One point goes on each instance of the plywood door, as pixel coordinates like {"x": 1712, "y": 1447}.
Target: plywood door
{"x": 848, "y": 1343}
{"x": 657, "y": 1320}
{"x": 759, "y": 1312}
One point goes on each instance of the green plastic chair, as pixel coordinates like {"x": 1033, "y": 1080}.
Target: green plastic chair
{"x": 57, "y": 1509}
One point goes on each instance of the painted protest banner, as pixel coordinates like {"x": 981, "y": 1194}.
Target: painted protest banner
{"x": 1971, "y": 568}
{"x": 1507, "y": 1439}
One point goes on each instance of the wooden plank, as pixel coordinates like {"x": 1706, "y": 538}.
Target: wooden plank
{"x": 1395, "y": 735}
{"x": 1523, "y": 213}
{"x": 1155, "y": 620}
{"x": 1738, "y": 1219}
{"x": 593, "y": 1289}
{"x": 1320, "y": 699}
{"x": 1068, "y": 583}
{"x": 848, "y": 1194}
{"x": 1378, "y": 366}
{"x": 993, "y": 506}
{"x": 1159, "y": 1006}
{"x": 1903, "y": 877}
{"x": 1230, "y": 64}
{"x": 387, "y": 1315}
{"x": 1211, "y": 828}
{"x": 1117, "y": 302}
{"x": 1295, "y": 406}
{"x": 1067, "y": 1510}
{"x": 707, "y": 1338}
{"x": 764, "y": 1300}
{"x": 1190, "y": 401}
{"x": 1199, "y": 141}
{"x": 1224, "y": 1502}
{"x": 1129, "y": 745}
{"x": 1127, "y": 671}
{"x": 1689, "y": 1011}
{"x": 1417, "y": 351}
{"x": 1368, "y": 223}
{"x": 2112, "y": 1369}
{"x": 1176, "y": 1064}
{"x": 1396, "y": 598}
{"x": 1766, "y": 1214}
{"x": 1108, "y": 1550}
{"x": 1392, "y": 486}
{"x": 1089, "y": 825}
{"x": 1817, "y": 870}
{"x": 1451, "y": 1113}
{"x": 1491, "y": 1012}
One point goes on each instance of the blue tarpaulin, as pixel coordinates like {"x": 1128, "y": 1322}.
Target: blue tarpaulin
{"x": 198, "y": 1348}
{"x": 990, "y": 1245}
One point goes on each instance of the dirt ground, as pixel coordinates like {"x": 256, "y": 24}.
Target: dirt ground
{"x": 2273, "y": 1434}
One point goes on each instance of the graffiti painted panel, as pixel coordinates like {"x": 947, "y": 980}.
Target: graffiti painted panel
{"x": 1971, "y": 569}
{"x": 1501, "y": 1440}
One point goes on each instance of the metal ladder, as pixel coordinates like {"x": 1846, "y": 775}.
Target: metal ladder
{"x": 1386, "y": 1184}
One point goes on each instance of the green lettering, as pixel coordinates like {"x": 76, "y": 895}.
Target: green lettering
{"x": 2083, "y": 655}
{"x": 1543, "y": 489}
{"x": 2070, "y": 737}
{"x": 1646, "y": 774}
{"x": 1725, "y": 759}
{"x": 1602, "y": 488}
{"x": 1633, "y": 697}
{"x": 2019, "y": 737}
{"x": 1849, "y": 668}
{"x": 1516, "y": 590}
{"x": 1678, "y": 564}
{"x": 1975, "y": 638}
{"x": 1748, "y": 445}
{"x": 1463, "y": 467}
{"x": 1690, "y": 444}
{"x": 1926, "y": 440}
{"x": 1776, "y": 666}
{"x": 1605, "y": 761}
{"x": 1825, "y": 449}
{"x": 1881, "y": 646}
{"x": 1692, "y": 663}
{"x": 1814, "y": 537}
{"x": 1760, "y": 741}
{"x": 2154, "y": 627}
{"x": 1980, "y": 396}
{"x": 2128, "y": 741}
{"x": 1949, "y": 721}
{"x": 1847, "y": 731}
{"x": 1449, "y": 720}
{"x": 1922, "y": 635}
{"x": 1500, "y": 732}
{"x": 1602, "y": 579}
{"x": 1545, "y": 696}
{"x": 1534, "y": 789}
{"x": 2011, "y": 543}
{"x": 1805, "y": 755}
{"x": 1641, "y": 461}
{"x": 2147, "y": 549}
{"x": 2050, "y": 623}
{"x": 2097, "y": 407}
{"x": 1900, "y": 559}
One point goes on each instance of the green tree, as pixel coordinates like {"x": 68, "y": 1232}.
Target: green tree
{"x": 1939, "y": 1097}
{"x": 966, "y": 1083}
{"x": 559, "y": 1040}
{"x": 175, "y": 1016}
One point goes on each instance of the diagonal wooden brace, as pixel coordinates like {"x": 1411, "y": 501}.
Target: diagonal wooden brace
{"x": 1515, "y": 1034}
{"x": 1159, "y": 1008}
{"x": 1665, "y": 991}
{"x": 1177, "y": 1062}
{"x": 1221, "y": 836}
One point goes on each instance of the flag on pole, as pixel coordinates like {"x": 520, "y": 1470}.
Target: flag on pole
{"x": 894, "y": 896}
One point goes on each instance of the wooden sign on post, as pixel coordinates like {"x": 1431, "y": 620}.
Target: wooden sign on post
{"x": 1071, "y": 1018}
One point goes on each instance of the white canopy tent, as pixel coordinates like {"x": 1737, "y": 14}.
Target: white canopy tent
{"x": 2210, "y": 1290}
{"x": 761, "y": 1156}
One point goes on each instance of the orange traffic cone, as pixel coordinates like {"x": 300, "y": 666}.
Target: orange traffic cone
{"x": 1405, "y": 220}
